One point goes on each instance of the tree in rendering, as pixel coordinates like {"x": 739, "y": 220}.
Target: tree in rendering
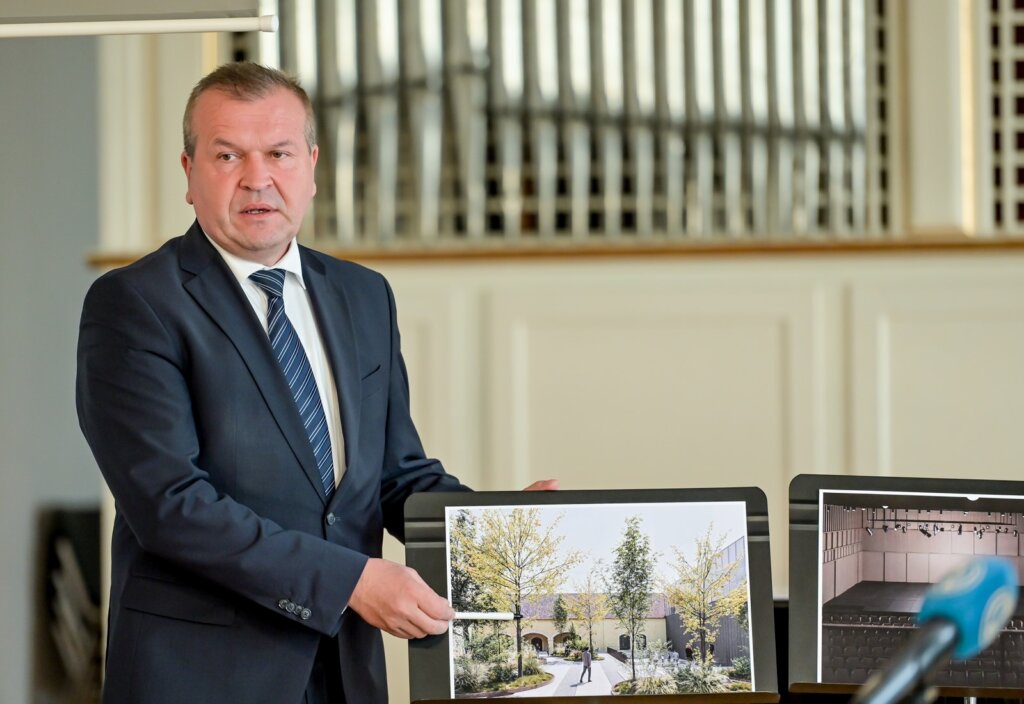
{"x": 630, "y": 583}
{"x": 559, "y": 614}
{"x": 589, "y": 605}
{"x": 467, "y": 594}
{"x": 705, "y": 590}
{"x": 514, "y": 558}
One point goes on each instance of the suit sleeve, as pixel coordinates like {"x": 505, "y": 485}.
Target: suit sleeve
{"x": 406, "y": 468}
{"x": 136, "y": 412}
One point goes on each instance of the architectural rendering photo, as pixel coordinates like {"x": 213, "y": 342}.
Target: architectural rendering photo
{"x": 609, "y": 599}
{"x": 880, "y": 555}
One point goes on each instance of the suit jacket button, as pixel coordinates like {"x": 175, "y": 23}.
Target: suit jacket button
{"x": 283, "y": 604}
{"x": 305, "y": 614}
{"x": 331, "y": 519}
{"x": 291, "y": 608}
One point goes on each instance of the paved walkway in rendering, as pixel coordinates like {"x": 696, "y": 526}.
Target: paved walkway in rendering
{"x": 566, "y": 680}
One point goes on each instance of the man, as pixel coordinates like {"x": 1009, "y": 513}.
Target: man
{"x": 247, "y": 403}
{"x": 587, "y": 662}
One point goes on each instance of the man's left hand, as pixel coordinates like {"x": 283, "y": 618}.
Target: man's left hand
{"x": 543, "y": 485}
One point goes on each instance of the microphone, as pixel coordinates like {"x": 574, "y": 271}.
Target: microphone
{"x": 961, "y": 615}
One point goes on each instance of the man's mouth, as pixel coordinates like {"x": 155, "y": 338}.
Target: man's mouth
{"x": 256, "y": 211}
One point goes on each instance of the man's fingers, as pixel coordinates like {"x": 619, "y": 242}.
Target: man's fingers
{"x": 430, "y": 616}
{"x": 395, "y": 599}
{"x": 430, "y": 602}
{"x": 423, "y": 625}
{"x": 437, "y": 608}
{"x": 439, "y": 627}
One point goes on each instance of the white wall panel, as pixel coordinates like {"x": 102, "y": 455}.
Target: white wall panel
{"x": 871, "y": 567}
{"x": 1007, "y": 544}
{"x": 895, "y": 567}
{"x": 828, "y": 581}
{"x": 847, "y": 573}
{"x": 603, "y": 375}
{"x": 962, "y": 544}
{"x": 940, "y": 565}
{"x": 917, "y": 567}
{"x": 985, "y": 546}
{"x": 937, "y": 386}
{"x": 440, "y": 356}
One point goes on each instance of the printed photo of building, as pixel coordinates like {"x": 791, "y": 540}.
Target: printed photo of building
{"x": 564, "y": 600}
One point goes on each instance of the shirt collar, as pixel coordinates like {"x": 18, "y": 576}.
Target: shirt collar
{"x": 291, "y": 262}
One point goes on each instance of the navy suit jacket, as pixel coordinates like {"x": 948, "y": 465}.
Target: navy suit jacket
{"x": 228, "y": 562}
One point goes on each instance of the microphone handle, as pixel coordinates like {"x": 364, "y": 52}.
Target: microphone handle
{"x": 933, "y": 643}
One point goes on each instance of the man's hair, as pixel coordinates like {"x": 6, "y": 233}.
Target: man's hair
{"x": 244, "y": 80}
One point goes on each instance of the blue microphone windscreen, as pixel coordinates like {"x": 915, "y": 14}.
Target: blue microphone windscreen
{"x": 979, "y": 598}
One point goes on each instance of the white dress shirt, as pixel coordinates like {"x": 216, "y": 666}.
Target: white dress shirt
{"x": 300, "y": 312}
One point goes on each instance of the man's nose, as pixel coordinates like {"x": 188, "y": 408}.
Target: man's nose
{"x": 256, "y": 176}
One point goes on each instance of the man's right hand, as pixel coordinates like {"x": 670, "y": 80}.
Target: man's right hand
{"x": 395, "y": 599}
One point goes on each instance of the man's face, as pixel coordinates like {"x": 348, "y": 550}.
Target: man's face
{"x": 251, "y": 178}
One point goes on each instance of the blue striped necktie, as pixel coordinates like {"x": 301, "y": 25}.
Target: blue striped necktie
{"x": 297, "y": 372}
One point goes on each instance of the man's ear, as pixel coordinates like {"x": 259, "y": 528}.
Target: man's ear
{"x": 186, "y": 164}
{"x": 313, "y": 154}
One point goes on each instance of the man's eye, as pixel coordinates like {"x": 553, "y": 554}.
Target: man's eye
{"x": 227, "y": 157}
{"x": 279, "y": 155}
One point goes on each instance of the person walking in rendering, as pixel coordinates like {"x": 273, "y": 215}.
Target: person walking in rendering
{"x": 587, "y": 660}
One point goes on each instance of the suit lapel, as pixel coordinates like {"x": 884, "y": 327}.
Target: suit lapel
{"x": 334, "y": 320}
{"x": 215, "y": 289}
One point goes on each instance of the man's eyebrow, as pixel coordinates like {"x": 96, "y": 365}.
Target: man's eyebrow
{"x": 221, "y": 142}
